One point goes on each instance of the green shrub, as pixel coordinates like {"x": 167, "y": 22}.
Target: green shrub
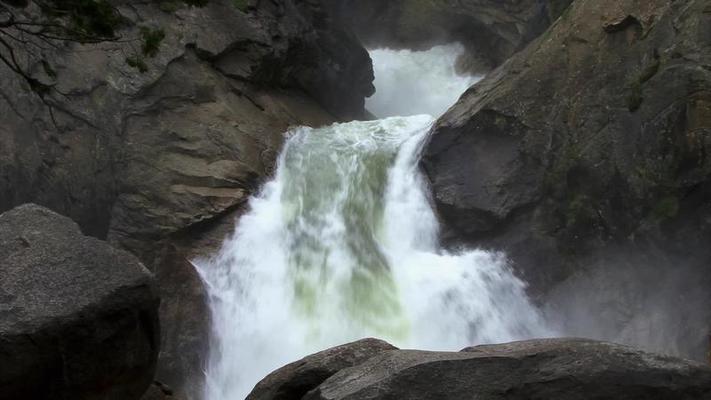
{"x": 666, "y": 208}
{"x": 241, "y": 4}
{"x": 152, "y": 39}
{"x": 138, "y": 63}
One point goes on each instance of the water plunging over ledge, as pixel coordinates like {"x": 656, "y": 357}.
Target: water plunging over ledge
{"x": 342, "y": 244}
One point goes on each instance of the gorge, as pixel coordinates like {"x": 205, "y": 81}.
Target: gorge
{"x": 342, "y": 245}
{"x": 489, "y": 171}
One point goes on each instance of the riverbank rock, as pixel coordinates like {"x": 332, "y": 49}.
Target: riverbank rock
{"x": 491, "y": 30}
{"x": 150, "y": 154}
{"x": 586, "y": 158}
{"x": 551, "y": 369}
{"x": 79, "y": 319}
{"x": 293, "y": 381}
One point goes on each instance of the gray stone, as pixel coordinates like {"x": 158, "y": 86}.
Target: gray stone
{"x": 590, "y": 148}
{"x": 79, "y": 318}
{"x": 293, "y": 381}
{"x": 551, "y": 369}
{"x": 492, "y": 30}
{"x": 149, "y": 160}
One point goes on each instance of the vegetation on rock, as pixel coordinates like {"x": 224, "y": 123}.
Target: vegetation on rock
{"x": 29, "y": 29}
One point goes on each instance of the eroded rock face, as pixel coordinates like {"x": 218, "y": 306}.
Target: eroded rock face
{"x": 150, "y": 160}
{"x": 79, "y": 318}
{"x": 585, "y": 157}
{"x": 294, "y": 380}
{"x": 492, "y": 30}
{"x": 552, "y": 369}
{"x": 146, "y": 154}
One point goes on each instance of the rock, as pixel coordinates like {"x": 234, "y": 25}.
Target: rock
{"x": 149, "y": 159}
{"x": 590, "y": 147}
{"x": 293, "y": 381}
{"x": 185, "y": 319}
{"x": 492, "y": 30}
{"x": 79, "y": 318}
{"x": 158, "y": 391}
{"x": 551, "y": 369}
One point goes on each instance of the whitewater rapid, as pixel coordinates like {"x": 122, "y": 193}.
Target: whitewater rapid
{"x": 417, "y": 82}
{"x": 343, "y": 244}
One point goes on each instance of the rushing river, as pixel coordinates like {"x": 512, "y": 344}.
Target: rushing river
{"x": 343, "y": 244}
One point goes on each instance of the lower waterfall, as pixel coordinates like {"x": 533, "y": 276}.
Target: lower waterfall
{"x": 342, "y": 244}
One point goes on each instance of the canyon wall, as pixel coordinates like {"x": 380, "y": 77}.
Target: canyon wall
{"x": 586, "y": 158}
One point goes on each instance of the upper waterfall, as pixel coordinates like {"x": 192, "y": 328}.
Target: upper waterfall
{"x": 343, "y": 244}
{"x": 417, "y": 82}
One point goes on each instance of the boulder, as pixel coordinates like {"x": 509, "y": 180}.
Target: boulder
{"x": 149, "y": 159}
{"x": 589, "y": 149}
{"x": 79, "y": 317}
{"x": 293, "y": 381}
{"x": 551, "y": 369}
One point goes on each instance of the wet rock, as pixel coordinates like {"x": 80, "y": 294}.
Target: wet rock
{"x": 159, "y": 391}
{"x": 589, "y": 149}
{"x": 79, "y": 318}
{"x": 148, "y": 159}
{"x": 492, "y": 30}
{"x": 293, "y": 381}
{"x": 552, "y": 369}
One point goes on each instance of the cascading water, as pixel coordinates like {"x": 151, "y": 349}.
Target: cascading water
{"x": 342, "y": 244}
{"x": 416, "y": 82}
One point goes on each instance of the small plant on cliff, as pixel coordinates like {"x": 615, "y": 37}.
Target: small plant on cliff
{"x": 241, "y": 5}
{"x": 26, "y": 32}
{"x": 666, "y": 208}
{"x": 150, "y": 44}
{"x": 31, "y": 29}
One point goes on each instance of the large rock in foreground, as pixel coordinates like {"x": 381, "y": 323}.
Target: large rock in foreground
{"x": 78, "y": 318}
{"x": 551, "y": 369}
{"x": 293, "y": 381}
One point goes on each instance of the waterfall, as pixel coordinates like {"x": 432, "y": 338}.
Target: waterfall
{"x": 342, "y": 244}
{"x": 417, "y": 82}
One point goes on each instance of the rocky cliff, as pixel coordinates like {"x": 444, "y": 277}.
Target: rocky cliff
{"x": 492, "y": 30}
{"x": 586, "y": 157}
{"x": 149, "y": 153}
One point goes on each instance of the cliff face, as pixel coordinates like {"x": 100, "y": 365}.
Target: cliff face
{"x": 150, "y": 159}
{"x": 586, "y": 157}
{"x": 136, "y": 154}
{"x": 492, "y": 30}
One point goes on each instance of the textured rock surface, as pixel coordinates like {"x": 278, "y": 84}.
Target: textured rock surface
{"x": 143, "y": 155}
{"x": 158, "y": 391}
{"x": 293, "y": 381}
{"x": 491, "y": 29}
{"x": 185, "y": 317}
{"x": 148, "y": 160}
{"x": 589, "y": 150}
{"x": 79, "y": 318}
{"x": 551, "y": 369}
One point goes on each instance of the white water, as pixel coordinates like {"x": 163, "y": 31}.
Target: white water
{"x": 341, "y": 245}
{"x": 417, "y": 82}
